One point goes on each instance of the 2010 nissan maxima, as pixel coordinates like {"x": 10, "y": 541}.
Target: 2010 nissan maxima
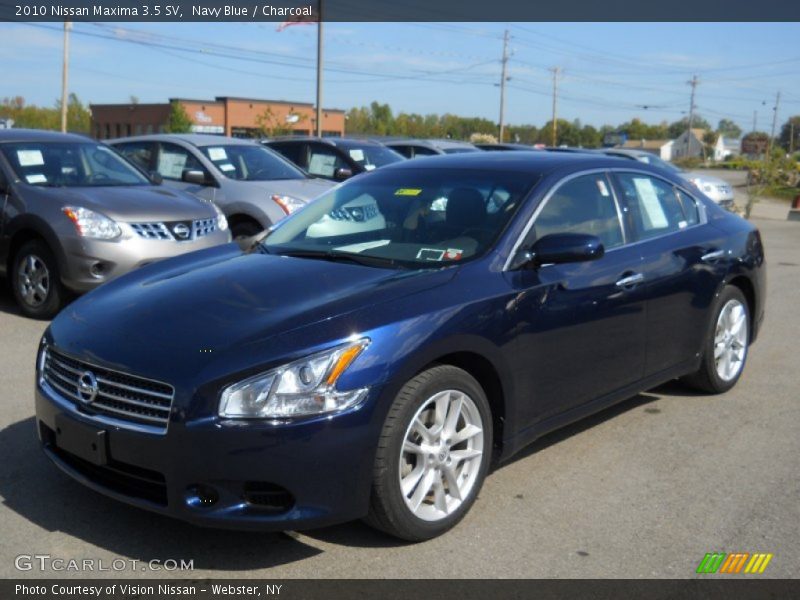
{"x": 380, "y": 348}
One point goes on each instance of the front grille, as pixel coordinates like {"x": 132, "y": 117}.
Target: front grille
{"x": 268, "y": 496}
{"x": 118, "y": 396}
{"x": 119, "y": 477}
{"x": 724, "y": 189}
{"x": 166, "y": 230}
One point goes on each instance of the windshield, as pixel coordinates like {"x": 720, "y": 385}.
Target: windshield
{"x": 371, "y": 157}
{"x": 250, "y": 163}
{"x": 70, "y": 164}
{"x": 405, "y": 218}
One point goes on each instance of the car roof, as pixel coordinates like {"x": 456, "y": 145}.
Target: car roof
{"x": 431, "y": 143}
{"x": 534, "y": 162}
{"x": 39, "y": 135}
{"x": 333, "y": 141}
{"x": 195, "y": 139}
{"x": 625, "y": 152}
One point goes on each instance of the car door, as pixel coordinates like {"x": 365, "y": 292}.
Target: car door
{"x": 682, "y": 266}
{"x": 580, "y": 326}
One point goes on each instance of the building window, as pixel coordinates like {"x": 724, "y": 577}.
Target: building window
{"x": 149, "y": 128}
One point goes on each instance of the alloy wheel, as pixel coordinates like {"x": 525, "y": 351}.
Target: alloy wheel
{"x": 33, "y": 280}
{"x": 730, "y": 340}
{"x": 441, "y": 456}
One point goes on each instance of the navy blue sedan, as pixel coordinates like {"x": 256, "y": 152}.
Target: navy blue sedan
{"x": 377, "y": 351}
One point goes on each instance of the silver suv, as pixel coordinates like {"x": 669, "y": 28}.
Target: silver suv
{"x": 255, "y": 187}
{"x": 74, "y": 214}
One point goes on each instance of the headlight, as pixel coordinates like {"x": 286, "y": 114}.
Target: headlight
{"x": 91, "y": 224}
{"x": 303, "y": 387}
{"x": 222, "y": 222}
{"x": 288, "y": 203}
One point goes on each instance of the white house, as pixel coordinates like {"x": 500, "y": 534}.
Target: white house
{"x": 661, "y": 148}
{"x": 687, "y": 144}
{"x": 726, "y": 147}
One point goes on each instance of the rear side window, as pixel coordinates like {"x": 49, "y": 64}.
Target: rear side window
{"x": 139, "y": 153}
{"x": 581, "y": 205}
{"x": 689, "y": 206}
{"x": 653, "y": 204}
{"x": 423, "y": 151}
{"x": 295, "y": 152}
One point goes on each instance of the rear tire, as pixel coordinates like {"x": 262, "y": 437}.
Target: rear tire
{"x": 433, "y": 455}
{"x": 36, "y": 282}
{"x": 725, "y": 349}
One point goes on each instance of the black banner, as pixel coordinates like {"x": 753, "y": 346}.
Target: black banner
{"x": 397, "y": 10}
{"x": 288, "y": 589}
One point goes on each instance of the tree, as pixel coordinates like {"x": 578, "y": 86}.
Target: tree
{"x": 179, "y": 121}
{"x": 675, "y": 129}
{"x": 270, "y": 125}
{"x": 729, "y": 129}
{"x": 790, "y": 134}
{"x": 38, "y": 117}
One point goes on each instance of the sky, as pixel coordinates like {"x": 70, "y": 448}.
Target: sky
{"x": 609, "y": 72}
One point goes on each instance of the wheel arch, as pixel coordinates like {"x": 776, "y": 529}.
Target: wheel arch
{"x": 744, "y": 285}
{"x": 27, "y": 228}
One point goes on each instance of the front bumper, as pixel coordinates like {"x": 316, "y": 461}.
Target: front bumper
{"x": 260, "y": 476}
{"x": 87, "y": 263}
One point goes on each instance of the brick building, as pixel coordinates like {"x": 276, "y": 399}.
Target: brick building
{"x": 237, "y": 117}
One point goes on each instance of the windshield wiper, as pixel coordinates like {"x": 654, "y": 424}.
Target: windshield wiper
{"x": 334, "y": 256}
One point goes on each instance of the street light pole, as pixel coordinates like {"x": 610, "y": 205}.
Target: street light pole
{"x": 319, "y": 72}
{"x": 503, "y": 86}
{"x": 555, "y": 71}
{"x": 65, "y": 77}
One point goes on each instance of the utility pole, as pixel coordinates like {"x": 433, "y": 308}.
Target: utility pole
{"x": 791, "y": 137}
{"x": 65, "y": 77}
{"x": 503, "y": 78}
{"x": 692, "y": 83}
{"x": 774, "y": 122}
{"x": 319, "y": 72}
{"x": 555, "y": 71}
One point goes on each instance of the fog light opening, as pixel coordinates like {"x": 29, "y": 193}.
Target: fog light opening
{"x": 201, "y": 496}
{"x": 98, "y": 270}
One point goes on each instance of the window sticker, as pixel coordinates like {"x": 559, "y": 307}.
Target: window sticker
{"x": 357, "y": 154}
{"x": 408, "y": 192}
{"x": 430, "y": 254}
{"x": 171, "y": 164}
{"x": 453, "y": 254}
{"x": 217, "y": 154}
{"x": 369, "y": 167}
{"x": 226, "y": 167}
{"x": 653, "y": 212}
{"x": 36, "y": 178}
{"x": 321, "y": 164}
{"x": 601, "y": 185}
{"x": 30, "y": 158}
{"x": 682, "y": 225}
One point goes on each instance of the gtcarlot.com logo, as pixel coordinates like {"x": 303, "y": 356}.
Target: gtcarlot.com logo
{"x": 734, "y": 563}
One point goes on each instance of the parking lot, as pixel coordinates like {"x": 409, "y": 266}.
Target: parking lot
{"x": 644, "y": 489}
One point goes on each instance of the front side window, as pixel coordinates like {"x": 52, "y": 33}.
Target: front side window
{"x": 653, "y": 204}
{"x": 581, "y": 205}
{"x": 250, "y": 163}
{"x": 70, "y": 164}
{"x": 173, "y": 160}
{"x": 412, "y": 219}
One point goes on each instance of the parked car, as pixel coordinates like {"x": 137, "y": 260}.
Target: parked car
{"x": 505, "y": 146}
{"x": 719, "y": 190}
{"x": 431, "y": 317}
{"x": 253, "y": 186}
{"x": 416, "y": 148}
{"x": 335, "y": 159}
{"x": 74, "y": 214}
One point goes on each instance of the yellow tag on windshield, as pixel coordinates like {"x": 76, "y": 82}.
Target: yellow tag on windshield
{"x": 408, "y": 192}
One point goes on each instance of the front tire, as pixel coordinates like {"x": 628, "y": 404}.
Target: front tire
{"x": 725, "y": 350}
{"x": 433, "y": 455}
{"x": 36, "y": 281}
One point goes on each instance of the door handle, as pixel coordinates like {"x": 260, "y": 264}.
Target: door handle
{"x": 630, "y": 280}
{"x": 712, "y": 256}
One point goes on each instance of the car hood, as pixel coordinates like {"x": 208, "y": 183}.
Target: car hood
{"x": 302, "y": 189}
{"x": 705, "y": 178}
{"x": 133, "y": 203}
{"x": 199, "y": 307}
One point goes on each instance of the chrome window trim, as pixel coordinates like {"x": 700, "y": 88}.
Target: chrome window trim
{"x": 702, "y": 214}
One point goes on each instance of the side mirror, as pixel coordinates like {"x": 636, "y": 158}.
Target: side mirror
{"x": 194, "y": 176}
{"x": 558, "y": 248}
{"x": 342, "y": 173}
{"x": 155, "y": 177}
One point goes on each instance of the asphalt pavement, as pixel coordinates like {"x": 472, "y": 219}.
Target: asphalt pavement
{"x": 644, "y": 489}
